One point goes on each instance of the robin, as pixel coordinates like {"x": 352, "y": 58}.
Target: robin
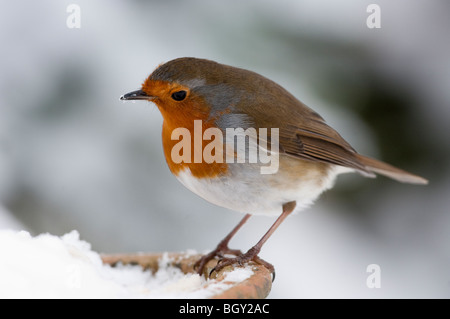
{"x": 202, "y": 96}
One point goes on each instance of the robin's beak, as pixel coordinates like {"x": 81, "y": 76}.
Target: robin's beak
{"x": 137, "y": 95}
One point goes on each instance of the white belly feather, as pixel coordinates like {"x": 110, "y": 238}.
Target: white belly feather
{"x": 248, "y": 191}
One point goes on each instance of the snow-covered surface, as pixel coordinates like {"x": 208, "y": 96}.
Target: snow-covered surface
{"x": 47, "y": 266}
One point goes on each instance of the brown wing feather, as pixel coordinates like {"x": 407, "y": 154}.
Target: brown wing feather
{"x": 322, "y": 143}
{"x": 317, "y": 141}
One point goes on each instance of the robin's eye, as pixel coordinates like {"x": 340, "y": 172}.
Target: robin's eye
{"x": 179, "y": 95}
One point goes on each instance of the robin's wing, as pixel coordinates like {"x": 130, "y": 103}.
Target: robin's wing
{"x": 312, "y": 139}
{"x": 302, "y": 132}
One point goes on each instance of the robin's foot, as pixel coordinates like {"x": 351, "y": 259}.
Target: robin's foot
{"x": 221, "y": 251}
{"x": 250, "y": 255}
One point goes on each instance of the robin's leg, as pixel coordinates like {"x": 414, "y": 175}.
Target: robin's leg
{"x": 222, "y": 248}
{"x": 252, "y": 253}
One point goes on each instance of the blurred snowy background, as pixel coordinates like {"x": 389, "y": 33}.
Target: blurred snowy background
{"x": 72, "y": 156}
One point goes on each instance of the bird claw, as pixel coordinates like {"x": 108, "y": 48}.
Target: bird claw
{"x": 220, "y": 252}
{"x": 241, "y": 260}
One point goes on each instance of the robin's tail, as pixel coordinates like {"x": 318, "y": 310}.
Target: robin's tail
{"x": 373, "y": 165}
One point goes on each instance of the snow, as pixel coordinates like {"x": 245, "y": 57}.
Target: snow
{"x": 48, "y": 266}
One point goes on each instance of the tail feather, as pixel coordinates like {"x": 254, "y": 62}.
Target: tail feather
{"x": 373, "y": 165}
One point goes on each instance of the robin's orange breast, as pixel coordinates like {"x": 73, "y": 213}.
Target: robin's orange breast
{"x": 179, "y": 116}
{"x": 198, "y": 170}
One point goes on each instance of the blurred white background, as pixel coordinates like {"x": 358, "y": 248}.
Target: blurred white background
{"x": 72, "y": 156}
